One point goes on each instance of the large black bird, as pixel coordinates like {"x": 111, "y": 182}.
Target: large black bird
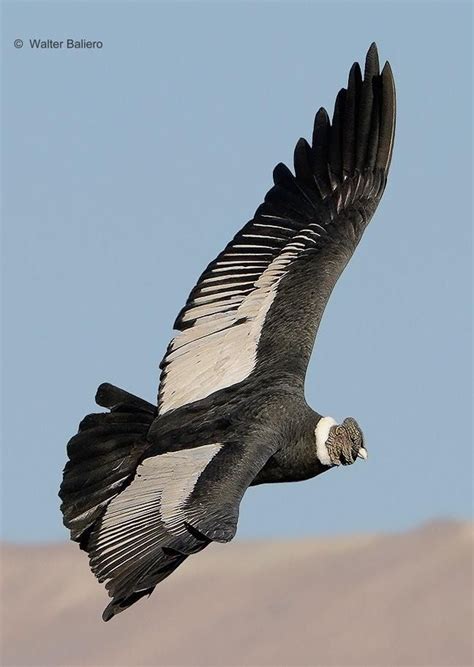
{"x": 147, "y": 486}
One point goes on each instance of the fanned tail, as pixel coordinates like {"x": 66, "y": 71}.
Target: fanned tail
{"x": 103, "y": 457}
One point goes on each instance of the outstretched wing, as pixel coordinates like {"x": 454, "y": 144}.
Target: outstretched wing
{"x": 140, "y": 510}
{"x": 257, "y": 306}
{"x": 176, "y": 504}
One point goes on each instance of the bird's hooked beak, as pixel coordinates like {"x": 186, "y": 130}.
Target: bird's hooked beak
{"x": 362, "y": 453}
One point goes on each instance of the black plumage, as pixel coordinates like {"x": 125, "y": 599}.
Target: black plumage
{"x": 146, "y": 486}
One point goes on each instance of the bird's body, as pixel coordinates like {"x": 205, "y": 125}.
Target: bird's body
{"x": 238, "y": 415}
{"x": 146, "y": 486}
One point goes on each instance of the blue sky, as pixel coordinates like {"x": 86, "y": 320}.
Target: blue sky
{"x": 126, "y": 169}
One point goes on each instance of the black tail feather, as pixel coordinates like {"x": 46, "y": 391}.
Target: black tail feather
{"x": 109, "y": 396}
{"x": 103, "y": 457}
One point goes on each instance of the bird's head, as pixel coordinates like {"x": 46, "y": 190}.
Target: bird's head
{"x": 338, "y": 444}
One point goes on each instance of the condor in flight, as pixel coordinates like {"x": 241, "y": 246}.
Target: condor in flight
{"x": 146, "y": 486}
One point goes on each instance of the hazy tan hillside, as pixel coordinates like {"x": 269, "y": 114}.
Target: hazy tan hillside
{"x": 383, "y": 600}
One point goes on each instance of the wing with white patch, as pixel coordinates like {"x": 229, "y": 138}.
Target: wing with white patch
{"x": 219, "y": 349}
{"x": 177, "y": 503}
{"x": 258, "y": 305}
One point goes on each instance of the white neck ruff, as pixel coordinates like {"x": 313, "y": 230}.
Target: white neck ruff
{"x": 322, "y": 433}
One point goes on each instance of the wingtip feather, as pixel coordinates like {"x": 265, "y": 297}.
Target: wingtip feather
{"x": 387, "y": 120}
{"x": 360, "y": 135}
{"x": 372, "y": 64}
{"x": 321, "y": 125}
{"x": 302, "y": 161}
{"x": 355, "y": 74}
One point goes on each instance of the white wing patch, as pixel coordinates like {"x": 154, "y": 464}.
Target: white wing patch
{"x": 138, "y": 519}
{"x": 220, "y": 348}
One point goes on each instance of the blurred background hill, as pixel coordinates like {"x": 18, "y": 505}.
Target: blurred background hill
{"x": 380, "y": 600}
